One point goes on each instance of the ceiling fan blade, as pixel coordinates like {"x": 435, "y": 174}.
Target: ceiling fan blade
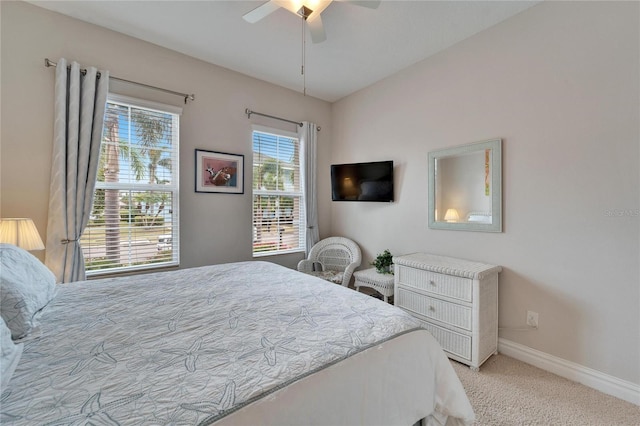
{"x": 364, "y": 3}
{"x": 261, "y": 11}
{"x": 317, "y": 29}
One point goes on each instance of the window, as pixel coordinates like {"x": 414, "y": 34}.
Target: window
{"x": 134, "y": 218}
{"x": 278, "y": 206}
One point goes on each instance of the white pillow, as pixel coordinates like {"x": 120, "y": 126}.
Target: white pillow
{"x": 26, "y": 286}
{"x": 10, "y": 354}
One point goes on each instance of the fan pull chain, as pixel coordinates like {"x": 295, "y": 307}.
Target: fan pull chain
{"x": 304, "y": 77}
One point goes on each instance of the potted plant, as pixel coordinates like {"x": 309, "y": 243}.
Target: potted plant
{"x": 383, "y": 262}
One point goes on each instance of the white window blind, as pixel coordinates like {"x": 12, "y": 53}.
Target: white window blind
{"x": 134, "y": 219}
{"x": 278, "y": 207}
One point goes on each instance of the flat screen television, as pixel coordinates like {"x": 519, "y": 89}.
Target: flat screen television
{"x": 362, "y": 181}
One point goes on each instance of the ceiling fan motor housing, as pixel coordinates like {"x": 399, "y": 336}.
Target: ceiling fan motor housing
{"x": 304, "y": 11}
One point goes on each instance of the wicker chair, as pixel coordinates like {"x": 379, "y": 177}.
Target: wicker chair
{"x": 333, "y": 259}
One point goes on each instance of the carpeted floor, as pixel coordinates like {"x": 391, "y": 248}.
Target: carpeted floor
{"x": 509, "y": 392}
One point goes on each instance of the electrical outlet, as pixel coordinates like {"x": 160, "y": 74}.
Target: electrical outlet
{"x": 532, "y": 319}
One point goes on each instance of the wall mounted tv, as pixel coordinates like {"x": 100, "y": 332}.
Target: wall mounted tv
{"x": 362, "y": 181}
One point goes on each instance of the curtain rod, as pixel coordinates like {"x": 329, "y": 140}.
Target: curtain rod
{"x": 187, "y": 97}
{"x": 249, "y": 112}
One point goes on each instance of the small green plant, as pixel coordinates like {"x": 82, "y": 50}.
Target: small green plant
{"x": 383, "y": 262}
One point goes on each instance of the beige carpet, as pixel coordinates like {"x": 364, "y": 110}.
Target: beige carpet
{"x": 509, "y": 392}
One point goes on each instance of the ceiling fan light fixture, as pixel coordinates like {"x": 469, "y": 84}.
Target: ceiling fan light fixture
{"x": 309, "y": 9}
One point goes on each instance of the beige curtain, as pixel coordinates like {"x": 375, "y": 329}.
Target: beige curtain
{"x": 80, "y": 100}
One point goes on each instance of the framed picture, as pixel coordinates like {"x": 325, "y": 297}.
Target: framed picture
{"x": 219, "y": 172}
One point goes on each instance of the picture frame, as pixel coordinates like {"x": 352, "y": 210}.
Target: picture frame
{"x": 219, "y": 172}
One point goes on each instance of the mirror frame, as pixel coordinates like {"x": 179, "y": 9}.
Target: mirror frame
{"x": 496, "y": 186}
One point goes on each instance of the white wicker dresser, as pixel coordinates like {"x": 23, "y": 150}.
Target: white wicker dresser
{"x": 455, "y": 299}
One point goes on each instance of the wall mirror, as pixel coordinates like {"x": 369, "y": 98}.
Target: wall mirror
{"x": 465, "y": 187}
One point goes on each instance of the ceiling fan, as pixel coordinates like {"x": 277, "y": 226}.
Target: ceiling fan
{"x": 310, "y": 10}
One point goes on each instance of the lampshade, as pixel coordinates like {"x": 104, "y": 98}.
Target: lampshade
{"x": 451, "y": 215}
{"x": 20, "y": 232}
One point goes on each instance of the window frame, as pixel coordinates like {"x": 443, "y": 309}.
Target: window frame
{"x": 173, "y": 187}
{"x": 299, "y": 194}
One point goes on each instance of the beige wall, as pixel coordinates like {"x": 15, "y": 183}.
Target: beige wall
{"x": 559, "y": 84}
{"x": 216, "y": 228}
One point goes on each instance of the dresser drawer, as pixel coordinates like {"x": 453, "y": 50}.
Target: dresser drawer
{"x": 433, "y": 282}
{"x": 452, "y": 342}
{"x": 437, "y": 309}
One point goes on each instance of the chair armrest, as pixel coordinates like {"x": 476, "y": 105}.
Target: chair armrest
{"x": 306, "y": 265}
{"x": 348, "y": 272}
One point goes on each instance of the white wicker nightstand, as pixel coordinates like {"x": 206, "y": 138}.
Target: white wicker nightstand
{"x": 383, "y": 283}
{"x": 455, "y": 299}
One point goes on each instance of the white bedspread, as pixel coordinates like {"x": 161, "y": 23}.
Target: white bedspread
{"x": 218, "y": 345}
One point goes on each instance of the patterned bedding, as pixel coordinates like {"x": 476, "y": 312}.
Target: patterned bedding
{"x": 190, "y": 346}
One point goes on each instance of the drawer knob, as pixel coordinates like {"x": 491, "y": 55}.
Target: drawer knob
{"x": 431, "y": 308}
{"x": 432, "y": 282}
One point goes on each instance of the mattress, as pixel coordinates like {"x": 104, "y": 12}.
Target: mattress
{"x": 239, "y": 343}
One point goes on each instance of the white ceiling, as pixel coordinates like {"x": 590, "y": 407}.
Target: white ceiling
{"x": 363, "y": 45}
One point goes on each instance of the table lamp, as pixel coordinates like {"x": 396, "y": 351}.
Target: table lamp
{"x": 21, "y": 232}
{"x": 451, "y": 215}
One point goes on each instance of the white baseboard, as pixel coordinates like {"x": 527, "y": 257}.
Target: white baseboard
{"x": 594, "y": 379}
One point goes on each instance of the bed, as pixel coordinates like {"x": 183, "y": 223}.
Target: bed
{"x": 248, "y": 343}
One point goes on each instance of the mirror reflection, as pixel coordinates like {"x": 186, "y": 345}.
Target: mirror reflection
{"x": 465, "y": 185}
